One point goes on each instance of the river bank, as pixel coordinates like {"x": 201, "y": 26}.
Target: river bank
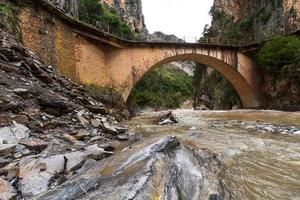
{"x": 259, "y": 149}
{"x": 242, "y": 154}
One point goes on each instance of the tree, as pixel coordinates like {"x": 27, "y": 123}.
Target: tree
{"x": 282, "y": 54}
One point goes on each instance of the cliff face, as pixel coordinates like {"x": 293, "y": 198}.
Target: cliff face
{"x": 258, "y": 17}
{"x": 242, "y": 19}
{"x": 131, "y": 11}
{"x": 69, "y": 6}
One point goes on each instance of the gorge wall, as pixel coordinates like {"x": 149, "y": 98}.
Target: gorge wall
{"x": 256, "y": 19}
{"x": 69, "y": 6}
{"x": 131, "y": 11}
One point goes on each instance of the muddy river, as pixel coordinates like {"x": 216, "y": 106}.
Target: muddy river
{"x": 259, "y": 149}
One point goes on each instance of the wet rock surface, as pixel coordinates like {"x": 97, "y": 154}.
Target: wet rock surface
{"x": 259, "y": 165}
{"x": 48, "y": 124}
{"x": 156, "y": 168}
{"x": 274, "y": 129}
{"x": 166, "y": 119}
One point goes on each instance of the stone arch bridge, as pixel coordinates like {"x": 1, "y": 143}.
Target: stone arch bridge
{"x": 89, "y": 56}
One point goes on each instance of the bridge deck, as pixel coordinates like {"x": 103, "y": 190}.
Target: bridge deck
{"x": 110, "y": 39}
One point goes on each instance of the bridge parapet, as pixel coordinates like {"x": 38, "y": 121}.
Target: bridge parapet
{"x": 216, "y": 41}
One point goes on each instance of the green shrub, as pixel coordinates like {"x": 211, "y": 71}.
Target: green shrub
{"x": 221, "y": 93}
{"x": 264, "y": 17}
{"x": 93, "y": 11}
{"x": 9, "y": 20}
{"x": 282, "y": 54}
{"x": 247, "y": 24}
{"x": 233, "y": 33}
{"x": 165, "y": 87}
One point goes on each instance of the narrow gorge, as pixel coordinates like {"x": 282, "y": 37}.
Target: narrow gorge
{"x": 85, "y": 88}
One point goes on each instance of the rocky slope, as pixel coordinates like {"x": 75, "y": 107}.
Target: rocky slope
{"x": 49, "y": 126}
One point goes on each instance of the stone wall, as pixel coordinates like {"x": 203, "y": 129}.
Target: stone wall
{"x": 90, "y": 63}
{"x": 55, "y": 42}
{"x": 39, "y": 36}
{"x": 49, "y": 38}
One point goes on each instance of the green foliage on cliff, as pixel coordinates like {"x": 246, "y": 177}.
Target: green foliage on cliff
{"x": 282, "y": 54}
{"x": 98, "y": 14}
{"x": 165, "y": 87}
{"x": 9, "y": 20}
{"x": 219, "y": 92}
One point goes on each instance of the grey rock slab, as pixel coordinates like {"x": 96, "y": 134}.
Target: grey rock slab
{"x": 96, "y": 123}
{"x": 37, "y": 172}
{"x": 20, "y": 131}
{"x": 153, "y": 168}
{"x": 166, "y": 122}
{"x": 35, "y": 184}
{"x": 20, "y": 91}
{"x": 81, "y": 134}
{"x": 121, "y": 129}
{"x": 34, "y": 144}
{"x": 81, "y": 119}
{"x": 7, "y": 149}
{"x": 123, "y": 137}
{"x": 297, "y": 132}
{"x": 4, "y": 162}
{"x": 106, "y": 174}
{"x": 110, "y": 128}
{"x": 7, "y": 136}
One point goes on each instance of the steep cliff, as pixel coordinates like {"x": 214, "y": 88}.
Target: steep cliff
{"x": 130, "y": 11}
{"x": 246, "y": 19}
{"x": 69, "y": 6}
{"x": 255, "y": 18}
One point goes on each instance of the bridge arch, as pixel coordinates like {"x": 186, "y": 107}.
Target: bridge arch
{"x": 236, "y": 68}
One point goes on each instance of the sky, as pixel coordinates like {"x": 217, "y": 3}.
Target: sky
{"x": 179, "y": 17}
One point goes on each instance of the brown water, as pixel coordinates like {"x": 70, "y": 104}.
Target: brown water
{"x": 261, "y": 153}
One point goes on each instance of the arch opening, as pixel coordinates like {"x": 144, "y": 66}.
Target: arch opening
{"x": 246, "y": 94}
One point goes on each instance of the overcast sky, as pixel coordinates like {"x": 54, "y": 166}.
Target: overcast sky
{"x": 178, "y": 17}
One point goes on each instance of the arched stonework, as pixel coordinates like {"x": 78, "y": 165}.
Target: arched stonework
{"x": 127, "y": 66}
{"x": 89, "y": 56}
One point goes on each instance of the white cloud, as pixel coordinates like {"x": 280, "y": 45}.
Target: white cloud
{"x": 178, "y": 17}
